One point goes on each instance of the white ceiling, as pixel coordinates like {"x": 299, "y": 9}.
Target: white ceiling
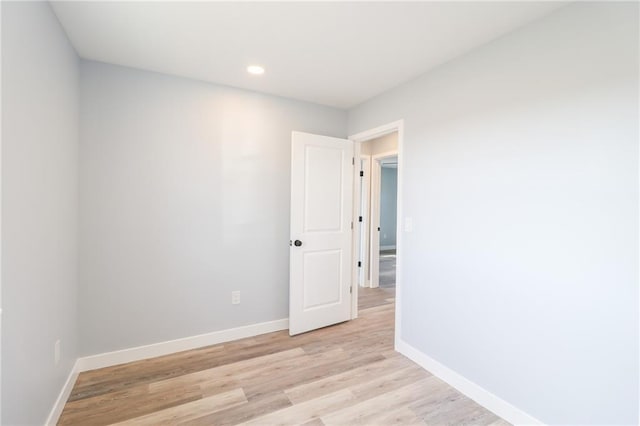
{"x": 336, "y": 54}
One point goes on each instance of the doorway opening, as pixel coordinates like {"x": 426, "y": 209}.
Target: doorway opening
{"x": 378, "y": 205}
{"x": 386, "y": 244}
{"x": 378, "y": 221}
{"x": 380, "y": 236}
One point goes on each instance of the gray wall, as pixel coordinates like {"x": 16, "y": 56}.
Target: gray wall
{"x": 184, "y": 198}
{"x": 521, "y": 176}
{"x": 39, "y": 210}
{"x": 388, "y": 206}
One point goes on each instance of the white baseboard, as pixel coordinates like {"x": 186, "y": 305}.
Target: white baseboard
{"x": 388, "y": 247}
{"x": 480, "y": 395}
{"x": 54, "y": 415}
{"x": 165, "y": 348}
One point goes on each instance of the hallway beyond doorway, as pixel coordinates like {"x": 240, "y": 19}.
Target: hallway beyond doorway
{"x": 387, "y": 269}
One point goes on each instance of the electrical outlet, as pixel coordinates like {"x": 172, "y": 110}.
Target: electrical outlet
{"x": 235, "y": 297}
{"x": 56, "y": 352}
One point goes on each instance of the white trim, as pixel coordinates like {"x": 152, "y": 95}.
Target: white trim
{"x": 387, "y": 247}
{"x": 374, "y": 232}
{"x": 384, "y": 155}
{"x": 58, "y": 406}
{"x": 376, "y": 132}
{"x": 363, "y": 229}
{"x": 165, "y": 348}
{"x": 480, "y": 395}
{"x": 396, "y": 126}
{"x": 1, "y": 221}
{"x": 355, "y": 241}
{"x": 399, "y": 229}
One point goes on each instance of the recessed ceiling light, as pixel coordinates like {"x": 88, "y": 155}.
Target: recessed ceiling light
{"x": 255, "y": 69}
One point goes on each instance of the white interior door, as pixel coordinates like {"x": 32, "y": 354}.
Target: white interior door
{"x": 321, "y": 231}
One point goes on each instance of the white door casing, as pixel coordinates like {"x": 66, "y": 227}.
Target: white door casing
{"x": 321, "y": 231}
{"x": 365, "y": 200}
{"x": 374, "y": 235}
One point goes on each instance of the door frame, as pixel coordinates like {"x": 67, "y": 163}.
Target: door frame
{"x": 374, "y": 233}
{"x": 365, "y": 208}
{"x": 358, "y": 138}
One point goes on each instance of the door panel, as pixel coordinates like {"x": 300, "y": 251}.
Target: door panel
{"x": 323, "y": 188}
{"x": 321, "y": 233}
{"x": 322, "y": 281}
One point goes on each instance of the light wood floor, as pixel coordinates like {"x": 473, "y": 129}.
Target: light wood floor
{"x": 346, "y": 374}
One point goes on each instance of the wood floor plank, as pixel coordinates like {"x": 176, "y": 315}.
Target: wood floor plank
{"x": 190, "y": 410}
{"x": 116, "y": 406}
{"x": 162, "y": 368}
{"x": 109, "y": 379}
{"x": 256, "y": 407}
{"x": 499, "y": 422}
{"x": 366, "y": 412}
{"x": 400, "y": 416}
{"x": 436, "y": 397}
{"x": 309, "y": 373}
{"x": 392, "y": 380}
{"x": 356, "y": 376}
{"x": 307, "y": 411}
{"x": 226, "y": 375}
{"x": 314, "y": 422}
{"x": 459, "y": 409}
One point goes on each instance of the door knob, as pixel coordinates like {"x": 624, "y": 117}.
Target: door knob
{"x": 297, "y": 243}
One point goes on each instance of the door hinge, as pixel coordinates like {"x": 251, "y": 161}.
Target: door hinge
{"x": 351, "y": 289}
{"x": 359, "y": 218}
{"x": 361, "y": 173}
{"x": 351, "y": 224}
{"x": 359, "y": 264}
{"x": 353, "y": 161}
